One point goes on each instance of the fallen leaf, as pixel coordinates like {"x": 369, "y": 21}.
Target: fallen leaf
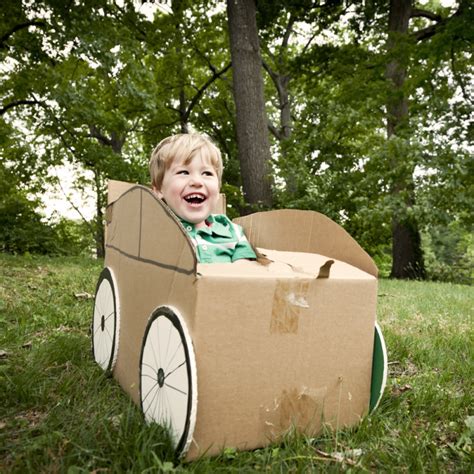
{"x": 27, "y": 345}
{"x": 83, "y": 296}
{"x": 398, "y": 390}
{"x": 338, "y": 456}
{"x": 3, "y": 354}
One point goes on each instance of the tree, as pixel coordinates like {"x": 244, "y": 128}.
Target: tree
{"x": 251, "y": 119}
{"x": 407, "y": 253}
{"x": 406, "y": 241}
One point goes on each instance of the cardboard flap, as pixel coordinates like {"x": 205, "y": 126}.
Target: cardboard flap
{"x": 116, "y": 188}
{"x": 305, "y": 231}
{"x": 141, "y": 227}
{"x": 325, "y": 269}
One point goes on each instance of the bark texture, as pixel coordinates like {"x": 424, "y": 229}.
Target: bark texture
{"x": 251, "y": 120}
{"x": 407, "y": 255}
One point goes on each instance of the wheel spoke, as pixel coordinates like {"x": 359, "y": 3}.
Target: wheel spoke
{"x": 153, "y": 402}
{"x": 148, "y": 376}
{"x": 153, "y": 350}
{"x": 149, "y": 367}
{"x": 177, "y": 389}
{"x": 175, "y": 369}
{"x": 149, "y": 391}
{"x": 174, "y": 355}
{"x": 108, "y": 316}
{"x": 168, "y": 410}
{"x": 108, "y": 333}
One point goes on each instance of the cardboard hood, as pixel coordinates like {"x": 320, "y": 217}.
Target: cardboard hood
{"x": 282, "y": 342}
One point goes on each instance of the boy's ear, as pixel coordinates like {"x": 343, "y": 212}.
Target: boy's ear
{"x": 157, "y": 192}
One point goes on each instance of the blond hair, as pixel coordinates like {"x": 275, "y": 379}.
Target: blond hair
{"x": 183, "y": 147}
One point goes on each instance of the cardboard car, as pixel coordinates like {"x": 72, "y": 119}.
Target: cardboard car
{"x": 236, "y": 354}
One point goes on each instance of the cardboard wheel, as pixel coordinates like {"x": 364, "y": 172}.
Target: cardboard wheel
{"x": 168, "y": 383}
{"x": 105, "y": 321}
{"x": 379, "y": 369}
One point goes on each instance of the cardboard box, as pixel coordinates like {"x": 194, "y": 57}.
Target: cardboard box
{"x": 283, "y": 342}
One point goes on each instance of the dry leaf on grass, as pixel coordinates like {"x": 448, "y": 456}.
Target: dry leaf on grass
{"x": 343, "y": 456}
{"x": 83, "y": 296}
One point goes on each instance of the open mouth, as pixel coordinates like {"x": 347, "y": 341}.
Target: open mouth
{"x": 195, "y": 199}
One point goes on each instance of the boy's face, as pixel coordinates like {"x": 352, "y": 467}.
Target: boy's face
{"x": 191, "y": 190}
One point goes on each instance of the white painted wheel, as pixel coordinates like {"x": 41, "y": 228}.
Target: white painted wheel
{"x": 168, "y": 385}
{"x": 105, "y": 321}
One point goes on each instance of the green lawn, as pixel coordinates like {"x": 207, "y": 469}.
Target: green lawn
{"x": 59, "y": 413}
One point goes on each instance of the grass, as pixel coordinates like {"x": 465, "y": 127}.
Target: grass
{"x": 59, "y": 413}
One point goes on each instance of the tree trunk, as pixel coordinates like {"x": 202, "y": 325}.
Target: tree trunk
{"x": 407, "y": 256}
{"x": 252, "y": 132}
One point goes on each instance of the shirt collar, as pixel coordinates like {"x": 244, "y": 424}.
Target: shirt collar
{"x": 215, "y": 227}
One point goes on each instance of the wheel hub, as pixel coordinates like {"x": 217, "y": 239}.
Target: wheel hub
{"x": 102, "y": 322}
{"x": 161, "y": 377}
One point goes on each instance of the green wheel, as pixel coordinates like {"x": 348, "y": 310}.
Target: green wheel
{"x": 379, "y": 369}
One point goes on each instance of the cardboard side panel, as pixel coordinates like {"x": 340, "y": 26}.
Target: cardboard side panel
{"x": 305, "y": 231}
{"x": 279, "y": 352}
{"x": 124, "y": 219}
{"x": 154, "y": 265}
{"x": 162, "y": 239}
{"x": 142, "y": 288}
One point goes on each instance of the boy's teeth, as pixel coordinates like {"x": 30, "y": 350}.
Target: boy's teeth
{"x": 195, "y": 197}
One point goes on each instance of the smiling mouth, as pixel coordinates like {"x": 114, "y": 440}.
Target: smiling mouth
{"x": 194, "y": 199}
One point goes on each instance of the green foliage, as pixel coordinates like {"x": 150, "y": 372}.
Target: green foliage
{"x": 23, "y": 229}
{"x": 449, "y": 253}
{"x": 21, "y": 226}
{"x": 58, "y": 412}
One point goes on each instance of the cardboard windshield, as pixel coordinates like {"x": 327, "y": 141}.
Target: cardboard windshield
{"x": 267, "y": 345}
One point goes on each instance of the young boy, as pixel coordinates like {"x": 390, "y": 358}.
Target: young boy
{"x": 186, "y": 172}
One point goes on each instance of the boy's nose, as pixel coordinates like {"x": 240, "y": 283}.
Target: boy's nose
{"x": 195, "y": 181}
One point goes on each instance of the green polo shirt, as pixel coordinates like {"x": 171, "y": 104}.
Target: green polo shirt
{"x": 220, "y": 241}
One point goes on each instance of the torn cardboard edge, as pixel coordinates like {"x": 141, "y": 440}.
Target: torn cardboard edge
{"x": 263, "y": 259}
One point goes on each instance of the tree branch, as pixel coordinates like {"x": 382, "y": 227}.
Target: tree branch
{"x": 274, "y": 131}
{"x": 288, "y": 31}
{"x": 419, "y": 13}
{"x": 16, "y": 103}
{"x": 19, "y": 27}
{"x": 95, "y": 133}
{"x": 427, "y": 32}
{"x": 202, "y": 89}
{"x": 441, "y": 22}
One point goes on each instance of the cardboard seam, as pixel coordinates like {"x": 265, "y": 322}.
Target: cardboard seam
{"x": 166, "y": 266}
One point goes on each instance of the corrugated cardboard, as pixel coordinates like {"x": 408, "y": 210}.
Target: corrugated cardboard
{"x": 280, "y": 344}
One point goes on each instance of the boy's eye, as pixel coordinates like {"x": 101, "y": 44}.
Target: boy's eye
{"x": 182, "y": 172}
{"x": 208, "y": 173}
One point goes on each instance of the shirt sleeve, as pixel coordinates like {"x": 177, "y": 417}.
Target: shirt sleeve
{"x": 243, "y": 249}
